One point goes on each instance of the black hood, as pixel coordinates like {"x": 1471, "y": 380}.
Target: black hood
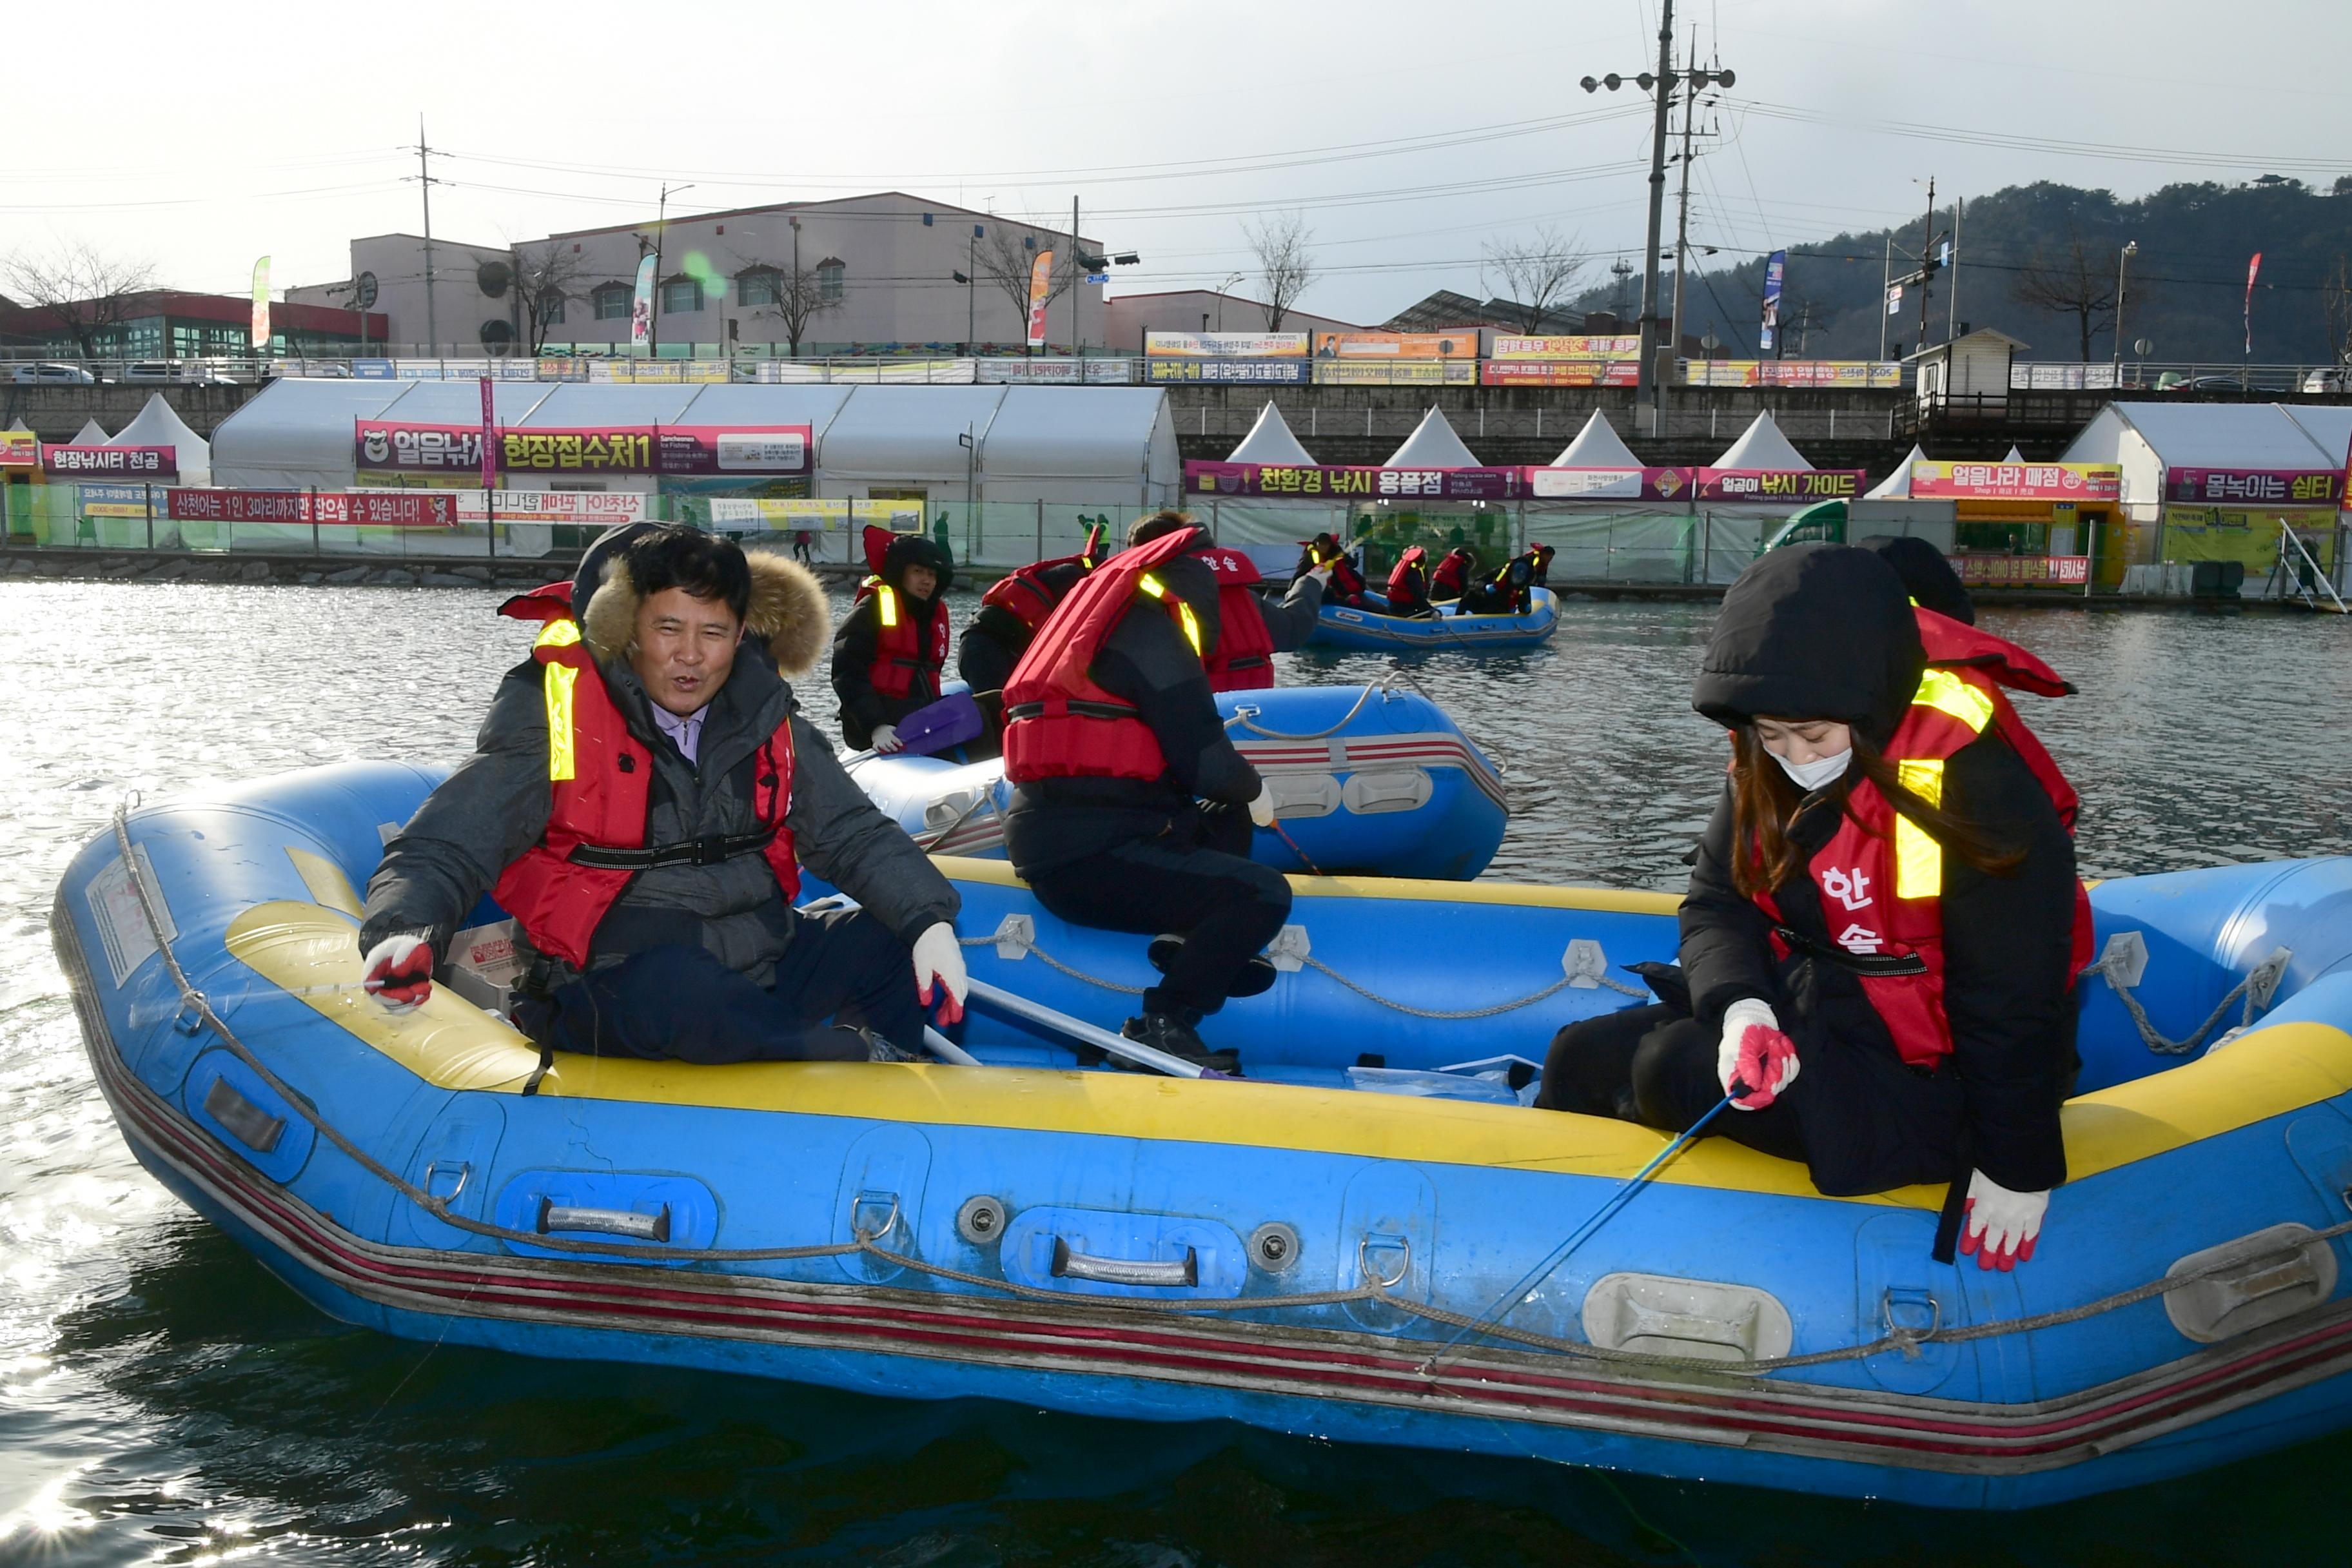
{"x": 600, "y": 558}
{"x": 1813, "y": 631}
{"x": 1927, "y": 575}
{"x": 914, "y": 550}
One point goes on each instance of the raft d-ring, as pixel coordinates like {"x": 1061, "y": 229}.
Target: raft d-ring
{"x": 1364, "y": 1264}
{"x": 190, "y": 1018}
{"x": 1906, "y": 1338}
{"x": 889, "y": 1220}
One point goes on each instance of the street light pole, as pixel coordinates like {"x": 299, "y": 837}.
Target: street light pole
{"x": 661, "y": 233}
{"x": 2123, "y": 265}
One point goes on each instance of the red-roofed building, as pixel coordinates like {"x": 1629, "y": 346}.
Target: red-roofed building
{"x": 168, "y": 323}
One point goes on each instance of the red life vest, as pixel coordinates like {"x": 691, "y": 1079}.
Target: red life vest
{"x": 1030, "y": 594}
{"x": 1956, "y": 644}
{"x": 1453, "y": 574}
{"x": 1243, "y": 660}
{"x": 1880, "y": 878}
{"x": 904, "y": 645}
{"x": 1058, "y": 723}
{"x": 601, "y": 775}
{"x": 1407, "y": 578}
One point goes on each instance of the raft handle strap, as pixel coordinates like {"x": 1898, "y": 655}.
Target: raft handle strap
{"x": 2124, "y": 961}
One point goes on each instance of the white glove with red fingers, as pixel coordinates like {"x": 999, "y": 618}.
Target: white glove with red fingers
{"x": 1756, "y": 1062}
{"x": 939, "y": 960}
{"x": 2002, "y": 1226}
{"x": 399, "y": 971}
{"x": 1321, "y": 574}
{"x": 1261, "y": 807}
{"x": 885, "y": 738}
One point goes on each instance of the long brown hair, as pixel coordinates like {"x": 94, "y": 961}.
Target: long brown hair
{"x": 1765, "y": 804}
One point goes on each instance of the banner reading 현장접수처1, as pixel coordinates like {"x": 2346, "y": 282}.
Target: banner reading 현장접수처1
{"x": 387, "y": 446}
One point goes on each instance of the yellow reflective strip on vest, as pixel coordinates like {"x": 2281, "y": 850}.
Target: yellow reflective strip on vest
{"x": 1152, "y": 586}
{"x": 559, "y": 756}
{"x": 559, "y": 634}
{"x": 1947, "y": 693}
{"x": 1919, "y": 860}
{"x": 889, "y": 603}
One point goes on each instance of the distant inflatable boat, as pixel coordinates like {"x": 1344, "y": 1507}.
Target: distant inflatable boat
{"x": 1301, "y": 1250}
{"x": 1372, "y": 630}
{"x": 1366, "y": 780}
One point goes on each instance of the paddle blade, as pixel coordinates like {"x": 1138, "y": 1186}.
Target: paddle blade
{"x": 951, "y": 721}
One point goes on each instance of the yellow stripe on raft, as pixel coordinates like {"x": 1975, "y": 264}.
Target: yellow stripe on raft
{"x": 300, "y": 946}
{"x": 1599, "y": 900}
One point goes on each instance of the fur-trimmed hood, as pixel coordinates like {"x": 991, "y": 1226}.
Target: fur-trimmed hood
{"x": 788, "y": 613}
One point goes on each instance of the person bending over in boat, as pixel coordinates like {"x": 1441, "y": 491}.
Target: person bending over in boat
{"x": 1539, "y": 560}
{"x": 642, "y": 796}
{"x": 1254, "y": 627}
{"x": 1131, "y": 809}
{"x": 1014, "y": 607}
{"x": 1343, "y": 584}
{"x": 1883, "y": 925}
{"x": 893, "y": 644}
{"x": 1452, "y": 574}
{"x": 1408, "y": 592}
{"x": 1510, "y": 591}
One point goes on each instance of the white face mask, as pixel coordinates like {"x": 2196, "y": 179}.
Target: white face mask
{"x": 1818, "y": 773}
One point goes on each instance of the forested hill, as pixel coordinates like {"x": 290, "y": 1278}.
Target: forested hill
{"x": 2038, "y": 262}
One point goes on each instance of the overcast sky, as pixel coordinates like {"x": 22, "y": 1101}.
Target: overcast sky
{"x": 1410, "y": 136}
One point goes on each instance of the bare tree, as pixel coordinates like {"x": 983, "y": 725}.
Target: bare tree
{"x": 82, "y": 291}
{"x": 1006, "y": 261}
{"x": 2335, "y": 304}
{"x": 796, "y": 296}
{"x": 2079, "y": 282}
{"x": 547, "y": 276}
{"x": 1539, "y": 274}
{"x": 1280, "y": 244}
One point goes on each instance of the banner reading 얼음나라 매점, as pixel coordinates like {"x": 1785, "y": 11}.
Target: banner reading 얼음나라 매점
{"x": 1295, "y": 482}
{"x": 681, "y": 450}
{"x": 365, "y": 508}
{"x": 65, "y": 460}
{"x": 1932, "y": 480}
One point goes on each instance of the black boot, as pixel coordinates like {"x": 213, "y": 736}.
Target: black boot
{"x": 1255, "y": 979}
{"x": 1175, "y": 1035}
{"x": 878, "y": 1049}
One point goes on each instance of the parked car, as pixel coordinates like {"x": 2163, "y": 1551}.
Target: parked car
{"x": 182, "y": 371}
{"x": 2328, "y": 378}
{"x": 52, "y": 373}
{"x": 2226, "y": 385}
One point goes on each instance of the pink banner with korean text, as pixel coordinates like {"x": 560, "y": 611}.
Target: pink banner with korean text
{"x": 2259, "y": 486}
{"x": 1277, "y": 481}
{"x": 1801, "y": 486}
{"x": 2016, "y": 481}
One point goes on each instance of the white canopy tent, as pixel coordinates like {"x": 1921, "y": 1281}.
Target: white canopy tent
{"x": 1761, "y": 446}
{"x": 1107, "y": 447}
{"x": 1597, "y": 446}
{"x": 158, "y": 425}
{"x": 1897, "y": 486}
{"x": 1270, "y": 441}
{"x": 91, "y": 434}
{"x": 1432, "y": 445}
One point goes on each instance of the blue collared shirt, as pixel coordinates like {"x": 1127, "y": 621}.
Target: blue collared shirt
{"x": 686, "y": 731}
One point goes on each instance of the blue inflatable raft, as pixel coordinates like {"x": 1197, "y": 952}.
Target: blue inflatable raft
{"x": 1366, "y": 780}
{"x": 1372, "y": 630}
{"x": 1297, "y": 1251}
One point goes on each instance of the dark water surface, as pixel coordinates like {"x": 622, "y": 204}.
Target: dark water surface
{"x": 164, "y": 1400}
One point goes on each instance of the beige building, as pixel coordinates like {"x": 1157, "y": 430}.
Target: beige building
{"x": 473, "y": 305}
{"x": 1201, "y": 311}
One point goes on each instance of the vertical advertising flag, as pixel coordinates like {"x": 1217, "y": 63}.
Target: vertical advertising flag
{"x": 2253, "y": 266}
{"x": 641, "y": 304}
{"x": 261, "y": 305}
{"x": 1041, "y": 277}
{"x": 490, "y": 440}
{"x": 1776, "y": 266}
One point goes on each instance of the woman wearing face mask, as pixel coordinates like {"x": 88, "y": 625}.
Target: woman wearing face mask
{"x": 1884, "y": 924}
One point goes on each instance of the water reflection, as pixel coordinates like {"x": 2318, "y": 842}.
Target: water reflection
{"x": 163, "y": 1398}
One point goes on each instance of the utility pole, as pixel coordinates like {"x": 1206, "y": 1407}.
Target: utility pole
{"x": 1885, "y": 284}
{"x": 424, "y": 188}
{"x": 1075, "y": 275}
{"x": 1682, "y": 216}
{"x": 1646, "y": 386}
{"x": 1952, "y": 304}
{"x": 661, "y": 233}
{"x": 971, "y": 282}
{"x": 1927, "y": 263}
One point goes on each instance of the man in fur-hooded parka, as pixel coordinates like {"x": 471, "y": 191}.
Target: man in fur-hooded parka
{"x": 728, "y": 918}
